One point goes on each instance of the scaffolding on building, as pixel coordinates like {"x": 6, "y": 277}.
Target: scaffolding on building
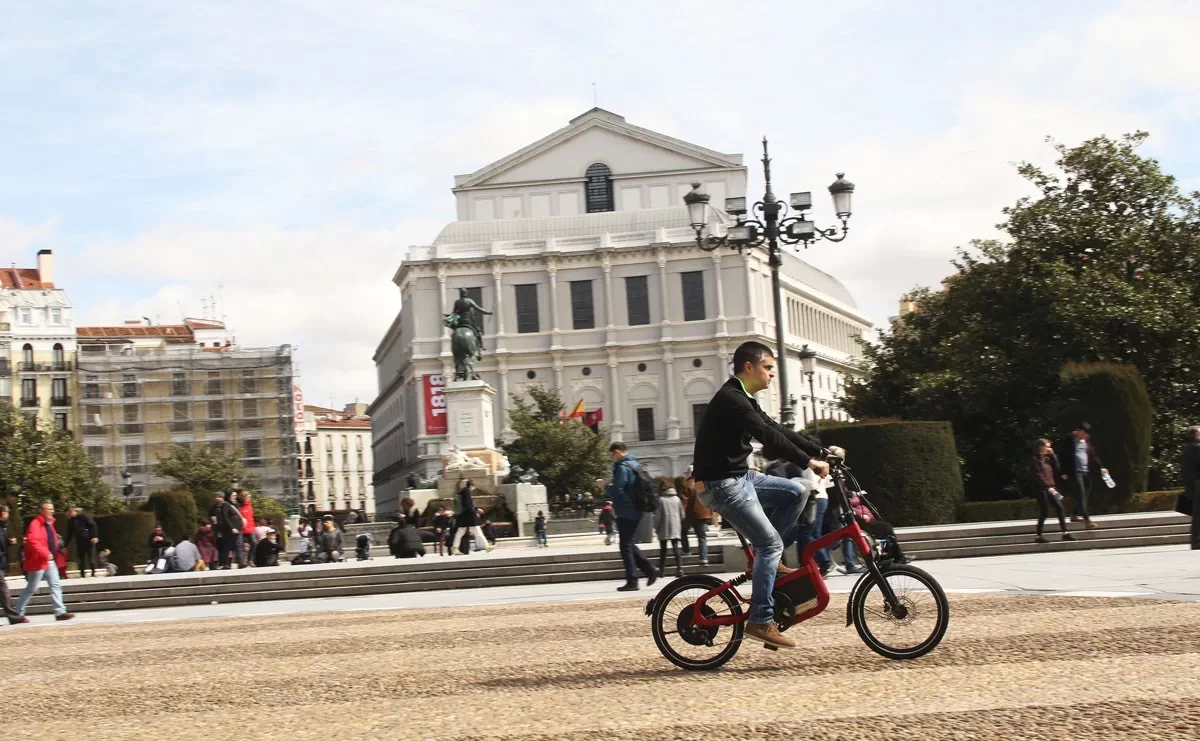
{"x": 139, "y": 401}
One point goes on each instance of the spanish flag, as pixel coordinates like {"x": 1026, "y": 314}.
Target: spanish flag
{"x": 577, "y": 411}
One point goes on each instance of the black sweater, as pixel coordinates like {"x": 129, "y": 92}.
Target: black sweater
{"x": 730, "y": 421}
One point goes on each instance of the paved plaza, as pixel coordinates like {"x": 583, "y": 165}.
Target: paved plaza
{"x": 573, "y": 662}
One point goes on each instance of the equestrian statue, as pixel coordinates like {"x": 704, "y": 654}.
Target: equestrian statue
{"x": 466, "y": 335}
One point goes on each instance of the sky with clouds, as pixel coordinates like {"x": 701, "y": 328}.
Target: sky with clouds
{"x": 282, "y": 156}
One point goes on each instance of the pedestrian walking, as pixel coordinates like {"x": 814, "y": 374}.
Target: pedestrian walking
{"x": 1079, "y": 464}
{"x": 742, "y": 496}
{"x": 1045, "y": 473}
{"x": 86, "y": 534}
{"x": 668, "y": 524}
{"x": 608, "y": 522}
{"x": 622, "y": 493}
{"x": 5, "y": 541}
{"x": 1191, "y": 480}
{"x": 696, "y": 519}
{"x": 539, "y": 530}
{"x": 468, "y": 519}
{"x": 38, "y": 562}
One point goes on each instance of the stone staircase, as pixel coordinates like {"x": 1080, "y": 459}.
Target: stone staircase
{"x": 382, "y": 575}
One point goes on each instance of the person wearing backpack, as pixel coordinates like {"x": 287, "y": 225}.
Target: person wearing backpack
{"x": 627, "y": 493}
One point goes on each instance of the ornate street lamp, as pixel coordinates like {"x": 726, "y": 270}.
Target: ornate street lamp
{"x": 808, "y": 363}
{"x": 771, "y": 226}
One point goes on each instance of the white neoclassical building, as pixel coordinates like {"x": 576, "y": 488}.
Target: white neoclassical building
{"x": 581, "y": 245}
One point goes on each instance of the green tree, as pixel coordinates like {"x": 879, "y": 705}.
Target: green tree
{"x": 38, "y": 462}
{"x": 1102, "y": 265}
{"x": 202, "y": 468}
{"x": 567, "y": 455}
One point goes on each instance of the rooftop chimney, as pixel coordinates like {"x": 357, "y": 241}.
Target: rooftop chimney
{"x": 46, "y": 267}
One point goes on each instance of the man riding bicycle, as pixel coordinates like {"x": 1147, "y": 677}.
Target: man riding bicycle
{"x": 731, "y": 419}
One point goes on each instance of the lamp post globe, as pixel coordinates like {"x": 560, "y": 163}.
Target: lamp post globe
{"x": 842, "y": 191}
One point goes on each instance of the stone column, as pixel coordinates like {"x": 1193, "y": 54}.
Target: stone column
{"x": 498, "y": 308}
{"x": 445, "y": 344}
{"x": 558, "y": 379}
{"x": 662, "y": 289}
{"x": 722, "y": 326}
{"x": 668, "y": 359}
{"x": 502, "y": 369}
{"x": 616, "y": 429}
{"x": 610, "y": 330}
{"x": 555, "y": 338}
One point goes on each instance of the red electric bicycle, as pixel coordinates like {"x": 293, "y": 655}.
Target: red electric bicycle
{"x": 899, "y": 610}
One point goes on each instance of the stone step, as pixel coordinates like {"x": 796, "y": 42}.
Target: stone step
{"x": 1055, "y": 544}
{"x": 566, "y": 568}
{"x": 1027, "y": 535}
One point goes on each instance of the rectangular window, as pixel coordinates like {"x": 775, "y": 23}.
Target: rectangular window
{"x": 56, "y": 316}
{"x": 133, "y": 455}
{"x": 91, "y": 389}
{"x": 360, "y": 461}
{"x": 475, "y": 293}
{"x": 180, "y": 417}
{"x": 179, "y": 384}
{"x": 698, "y": 411}
{"x": 248, "y": 385}
{"x": 58, "y": 392}
{"x": 346, "y": 486}
{"x": 253, "y": 452}
{"x": 250, "y": 418}
{"x": 26, "y": 316}
{"x": 637, "y": 300}
{"x": 345, "y": 460}
{"x": 645, "y": 423}
{"x": 29, "y": 390}
{"x": 583, "y": 315}
{"x": 129, "y": 413}
{"x": 60, "y": 421}
{"x": 362, "y": 485}
{"x": 96, "y": 453}
{"x": 129, "y": 386}
{"x": 527, "y": 308}
{"x": 212, "y": 385}
{"x": 217, "y": 445}
{"x": 92, "y": 420}
{"x": 693, "y": 296}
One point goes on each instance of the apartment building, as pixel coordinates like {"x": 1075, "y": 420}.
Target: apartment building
{"x": 336, "y": 465}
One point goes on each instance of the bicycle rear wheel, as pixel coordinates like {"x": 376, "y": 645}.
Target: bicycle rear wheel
{"x": 920, "y": 628}
{"x": 685, "y": 644}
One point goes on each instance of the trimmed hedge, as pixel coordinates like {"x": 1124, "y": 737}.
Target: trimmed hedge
{"x": 909, "y": 469}
{"x": 1112, "y": 398}
{"x": 1027, "y": 509}
{"x": 176, "y": 510}
{"x": 127, "y": 535}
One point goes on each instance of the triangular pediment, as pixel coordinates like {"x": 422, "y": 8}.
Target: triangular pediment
{"x": 597, "y": 136}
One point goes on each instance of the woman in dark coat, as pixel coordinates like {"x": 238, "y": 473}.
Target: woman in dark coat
{"x": 468, "y": 519}
{"x": 1044, "y": 473}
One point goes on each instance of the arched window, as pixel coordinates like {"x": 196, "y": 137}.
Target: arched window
{"x": 599, "y": 188}
{"x": 27, "y": 355}
{"x": 58, "y": 357}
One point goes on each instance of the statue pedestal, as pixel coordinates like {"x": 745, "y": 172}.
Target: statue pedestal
{"x": 469, "y": 424}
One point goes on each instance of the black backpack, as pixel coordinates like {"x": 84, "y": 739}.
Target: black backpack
{"x": 645, "y": 489}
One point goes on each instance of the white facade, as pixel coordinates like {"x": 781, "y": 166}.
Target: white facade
{"x": 336, "y": 461}
{"x": 627, "y": 313}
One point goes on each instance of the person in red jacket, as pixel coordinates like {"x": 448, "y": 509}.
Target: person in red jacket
{"x": 40, "y": 551}
{"x": 246, "y": 508}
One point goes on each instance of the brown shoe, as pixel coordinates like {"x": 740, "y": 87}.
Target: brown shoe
{"x": 769, "y": 634}
{"x": 1091, "y": 525}
{"x": 1076, "y": 518}
{"x": 17, "y": 619}
{"x": 782, "y": 570}
{"x": 64, "y": 616}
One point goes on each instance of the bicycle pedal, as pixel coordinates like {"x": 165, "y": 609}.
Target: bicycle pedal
{"x": 770, "y": 647}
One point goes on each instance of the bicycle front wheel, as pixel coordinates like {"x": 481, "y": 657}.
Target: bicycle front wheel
{"x": 687, "y": 645}
{"x": 913, "y": 631}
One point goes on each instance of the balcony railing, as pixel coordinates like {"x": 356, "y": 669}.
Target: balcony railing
{"x": 250, "y": 424}
{"x": 5, "y": 366}
{"x": 181, "y": 427}
{"x": 214, "y": 425}
{"x": 93, "y": 430}
{"x": 132, "y": 428}
{"x": 52, "y": 367}
{"x": 29, "y": 402}
{"x": 60, "y": 401}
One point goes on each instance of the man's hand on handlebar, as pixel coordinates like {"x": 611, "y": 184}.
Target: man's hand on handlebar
{"x": 821, "y": 468}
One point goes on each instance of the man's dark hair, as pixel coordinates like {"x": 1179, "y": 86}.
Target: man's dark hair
{"x": 617, "y": 447}
{"x": 749, "y": 352}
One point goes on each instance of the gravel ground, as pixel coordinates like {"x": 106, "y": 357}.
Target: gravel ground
{"x": 1011, "y": 667}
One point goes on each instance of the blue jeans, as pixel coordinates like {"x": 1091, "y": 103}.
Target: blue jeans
{"x": 33, "y": 579}
{"x": 700, "y": 528}
{"x": 541, "y": 538}
{"x": 741, "y": 502}
{"x": 631, "y": 558}
{"x": 1083, "y": 487}
{"x": 812, "y": 532}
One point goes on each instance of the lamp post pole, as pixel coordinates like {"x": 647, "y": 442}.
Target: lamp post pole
{"x": 770, "y": 228}
{"x": 812, "y": 395}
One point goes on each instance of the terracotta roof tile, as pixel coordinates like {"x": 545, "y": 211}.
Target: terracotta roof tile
{"x": 27, "y": 278}
{"x": 176, "y": 332}
{"x": 356, "y": 423}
